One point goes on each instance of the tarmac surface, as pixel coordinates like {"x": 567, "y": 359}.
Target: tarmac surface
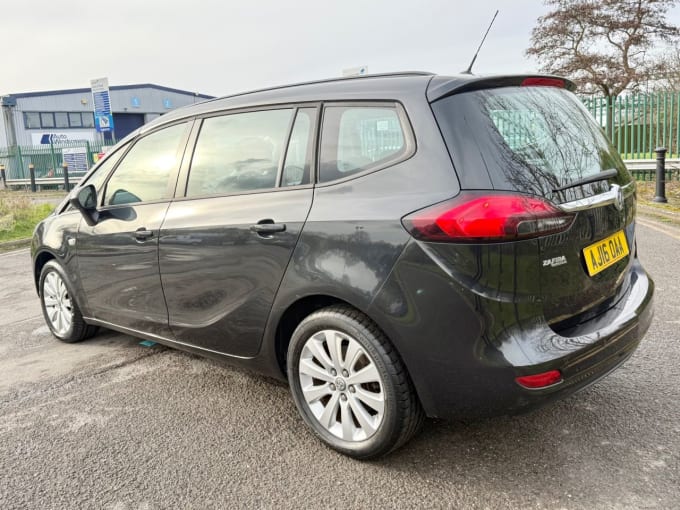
{"x": 111, "y": 424}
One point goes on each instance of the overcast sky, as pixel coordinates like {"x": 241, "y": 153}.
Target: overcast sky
{"x": 219, "y": 47}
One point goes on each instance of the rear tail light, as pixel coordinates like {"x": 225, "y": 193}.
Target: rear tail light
{"x": 487, "y": 217}
{"x": 542, "y": 380}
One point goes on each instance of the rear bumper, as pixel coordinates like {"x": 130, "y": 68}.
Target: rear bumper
{"x": 583, "y": 359}
{"x": 464, "y": 350}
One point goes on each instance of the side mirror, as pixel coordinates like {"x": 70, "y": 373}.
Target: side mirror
{"x": 85, "y": 200}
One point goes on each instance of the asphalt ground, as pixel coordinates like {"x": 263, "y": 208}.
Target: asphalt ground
{"x": 109, "y": 423}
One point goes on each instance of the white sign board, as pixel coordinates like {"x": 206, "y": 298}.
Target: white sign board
{"x": 99, "y": 85}
{"x": 355, "y": 71}
{"x": 57, "y": 137}
{"x": 76, "y": 159}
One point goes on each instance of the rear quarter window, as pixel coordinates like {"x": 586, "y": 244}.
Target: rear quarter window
{"x": 355, "y": 139}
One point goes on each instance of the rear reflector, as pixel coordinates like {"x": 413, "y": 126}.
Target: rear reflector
{"x": 543, "y": 82}
{"x": 540, "y": 380}
{"x": 489, "y": 217}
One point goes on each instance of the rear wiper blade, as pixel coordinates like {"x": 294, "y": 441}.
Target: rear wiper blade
{"x": 605, "y": 174}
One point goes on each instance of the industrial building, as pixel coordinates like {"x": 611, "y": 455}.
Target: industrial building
{"x": 45, "y": 130}
{"x": 58, "y": 116}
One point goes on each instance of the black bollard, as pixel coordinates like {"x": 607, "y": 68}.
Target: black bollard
{"x": 67, "y": 186}
{"x": 660, "y": 175}
{"x": 31, "y": 172}
{"x": 3, "y": 176}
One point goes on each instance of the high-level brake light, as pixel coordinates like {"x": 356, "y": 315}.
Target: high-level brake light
{"x": 543, "y": 82}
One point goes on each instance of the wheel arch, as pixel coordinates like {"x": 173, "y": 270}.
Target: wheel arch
{"x": 42, "y": 258}
{"x": 297, "y": 311}
{"x": 292, "y": 316}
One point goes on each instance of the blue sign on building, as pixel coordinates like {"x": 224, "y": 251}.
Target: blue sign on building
{"x": 135, "y": 102}
{"x": 103, "y": 123}
{"x": 167, "y": 103}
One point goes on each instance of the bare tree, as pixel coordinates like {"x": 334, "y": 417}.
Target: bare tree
{"x": 604, "y": 46}
{"x": 669, "y": 77}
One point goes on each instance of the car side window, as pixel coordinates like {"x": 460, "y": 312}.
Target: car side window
{"x": 238, "y": 152}
{"x": 298, "y": 162}
{"x": 359, "y": 138}
{"x": 144, "y": 172}
{"x": 98, "y": 177}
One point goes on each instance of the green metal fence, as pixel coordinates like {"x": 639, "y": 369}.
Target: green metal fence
{"x": 47, "y": 159}
{"x": 639, "y": 123}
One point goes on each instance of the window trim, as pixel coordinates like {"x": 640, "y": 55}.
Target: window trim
{"x": 284, "y": 149}
{"x": 410, "y": 148}
{"x": 314, "y": 128}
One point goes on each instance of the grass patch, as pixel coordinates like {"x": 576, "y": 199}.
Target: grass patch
{"x": 647, "y": 189}
{"x": 19, "y": 216}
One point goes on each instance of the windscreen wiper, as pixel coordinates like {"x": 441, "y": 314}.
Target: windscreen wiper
{"x": 605, "y": 174}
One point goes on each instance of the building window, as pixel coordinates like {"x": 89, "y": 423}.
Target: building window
{"x": 88, "y": 119}
{"x": 75, "y": 120}
{"x": 32, "y": 120}
{"x": 47, "y": 120}
{"x": 59, "y": 120}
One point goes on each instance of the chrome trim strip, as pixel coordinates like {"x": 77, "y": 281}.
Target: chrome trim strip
{"x": 606, "y": 198}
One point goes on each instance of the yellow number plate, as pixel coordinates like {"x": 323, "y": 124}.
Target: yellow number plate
{"x": 607, "y": 252}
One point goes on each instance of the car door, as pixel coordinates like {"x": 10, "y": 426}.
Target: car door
{"x": 225, "y": 246}
{"x": 118, "y": 256}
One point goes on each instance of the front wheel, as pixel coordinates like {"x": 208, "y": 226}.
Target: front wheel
{"x": 349, "y": 384}
{"x": 60, "y": 310}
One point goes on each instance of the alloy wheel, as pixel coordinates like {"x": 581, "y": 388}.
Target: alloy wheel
{"x": 342, "y": 385}
{"x": 58, "y": 303}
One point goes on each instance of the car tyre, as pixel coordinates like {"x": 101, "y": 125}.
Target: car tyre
{"x": 59, "y": 307}
{"x": 350, "y": 385}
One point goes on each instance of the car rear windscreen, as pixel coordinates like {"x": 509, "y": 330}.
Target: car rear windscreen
{"x": 528, "y": 139}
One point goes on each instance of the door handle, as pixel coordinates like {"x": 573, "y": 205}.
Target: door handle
{"x": 267, "y": 227}
{"x": 142, "y": 234}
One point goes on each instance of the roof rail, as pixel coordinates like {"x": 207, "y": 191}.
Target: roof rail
{"x": 326, "y": 80}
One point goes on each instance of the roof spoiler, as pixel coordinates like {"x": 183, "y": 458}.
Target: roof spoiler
{"x": 443, "y": 86}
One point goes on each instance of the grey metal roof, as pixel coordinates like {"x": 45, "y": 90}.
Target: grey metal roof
{"x": 392, "y": 86}
{"x": 113, "y": 87}
{"x": 367, "y": 87}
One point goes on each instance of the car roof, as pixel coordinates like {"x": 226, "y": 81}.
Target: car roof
{"x": 389, "y": 86}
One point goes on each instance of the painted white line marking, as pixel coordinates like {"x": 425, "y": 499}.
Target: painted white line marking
{"x": 654, "y": 226}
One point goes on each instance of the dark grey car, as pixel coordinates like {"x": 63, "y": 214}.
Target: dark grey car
{"x": 394, "y": 246}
